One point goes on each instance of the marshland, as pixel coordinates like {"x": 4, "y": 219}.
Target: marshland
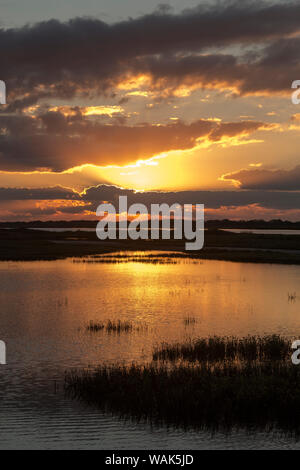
{"x": 216, "y": 348}
{"x": 22, "y": 243}
{"x": 250, "y": 395}
{"x": 211, "y": 383}
{"x": 197, "y": 316}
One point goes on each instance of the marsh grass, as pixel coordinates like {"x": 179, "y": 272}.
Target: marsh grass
{"x": 115, "y": 326}
{"x": 189, "y": 321}
{"x": 250, "y": 348}
{"x": 128, "y": 259}
{"x": 144, "y": 257}
{"x": 219, "y": 396}
{"x": 95, "y": 326}
{"x": 292, "y": 296}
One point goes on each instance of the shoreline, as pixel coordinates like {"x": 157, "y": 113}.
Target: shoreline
{"x": 35, "y": 245}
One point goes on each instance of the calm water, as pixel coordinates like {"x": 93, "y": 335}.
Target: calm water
{"x": 45, "y": 307}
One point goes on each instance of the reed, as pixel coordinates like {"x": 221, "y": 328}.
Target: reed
{"x": 207, "y": 396}
{"x": 141, "y": 259}
{"x": 115, "y": 326}
{"x": 189, "y": 321}
{"x": 292, "y": 296}
{"x": 250, "y": 348}
{"x": 95, "y": 326}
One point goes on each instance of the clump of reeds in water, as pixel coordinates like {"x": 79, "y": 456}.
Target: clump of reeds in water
{"x": 292, "y": 296}
{"x": 108, "y": 259}
{"x": 95, "y": 326}
{"x": 189, "y": 321}
{"x": 207, "y": 396}
{"x": 250, "y": 348}
{"x": 118, "y": 326}
{"x": 115, "y": 326}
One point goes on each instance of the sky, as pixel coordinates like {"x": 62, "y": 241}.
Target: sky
{"x": 182, "y": 101}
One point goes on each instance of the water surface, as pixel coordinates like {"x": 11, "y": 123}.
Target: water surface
{"x": 46, "y": 306}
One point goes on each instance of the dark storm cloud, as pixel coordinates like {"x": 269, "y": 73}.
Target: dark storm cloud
{"x": 22, "y": 194}
{"x": 52, "y": 58}
{"x": 211, "y": 199}
{"x": 93, "y": 196}
{"x": 57, "y": 142}
{"x": 286, "y": 180}
{"x": 221, "y": 71}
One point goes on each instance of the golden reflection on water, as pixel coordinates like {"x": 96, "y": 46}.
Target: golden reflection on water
{"x": 46, "y": 307}
{"x": 50, "y": 304}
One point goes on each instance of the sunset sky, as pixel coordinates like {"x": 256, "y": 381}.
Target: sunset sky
{"x": 190, "y": 98}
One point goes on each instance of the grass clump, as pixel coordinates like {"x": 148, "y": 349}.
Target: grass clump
{"x": 250, "y": 348}
{"x": 115, "y": 326}
{"x": 292, "y": 296}
{"x": 117, "y": 259}
{"x": 189, "y": 321}
{"x": 219, "y": 396}
{"x": 111, "y": 326}
{"x": 118, "y": 326}
{"x": 95, "y": 326}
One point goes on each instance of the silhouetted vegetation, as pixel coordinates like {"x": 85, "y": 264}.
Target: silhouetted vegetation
{"x": 250, "y": 348}
{"x": 189, "y": 321}
{"x": 208, "y": 396}
{"x": 95, "y": 326}
{"x": 115, "y": 259}
{"x": 292, "y": 296}
{"x": 23, "y": 244}
{"x": 214, "y": 224}
{"x": 115, "y": 326}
